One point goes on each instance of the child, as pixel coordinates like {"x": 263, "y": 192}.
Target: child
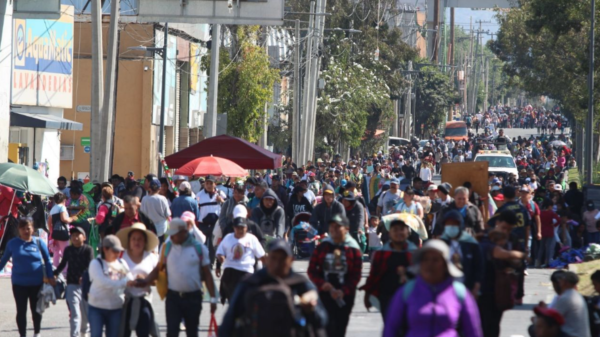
{"x": 78, "y": 256}
{"x": 373, "y": 234}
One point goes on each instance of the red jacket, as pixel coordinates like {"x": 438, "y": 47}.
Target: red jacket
{"x": 322, "y": 257}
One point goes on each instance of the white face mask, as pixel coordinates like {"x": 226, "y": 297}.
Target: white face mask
{"x": 452, "y": 231}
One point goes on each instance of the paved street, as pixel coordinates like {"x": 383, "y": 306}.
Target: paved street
{"x": 362, "y": 323}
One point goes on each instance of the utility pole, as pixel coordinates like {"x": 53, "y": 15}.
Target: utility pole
{"x": 210, "y": 123}
{"x": 452, "y": 36}
{"x": 302, "y": 153}
{"x": 315, "y": 67}
{"x": 589, "y": 141}
{"x": 108, "y": 105}
{"x": 468, "y": 79}
{"x": 96, "y": 131}
{"x": 296, "y": 106}
{"x": 436, "y": 34}
{"x": 487, "y": 68}
{"x": 163, "y": 94}
{"x": 412, "y": 118}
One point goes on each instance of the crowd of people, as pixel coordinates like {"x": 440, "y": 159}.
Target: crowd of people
{"x": 462, "y": 272}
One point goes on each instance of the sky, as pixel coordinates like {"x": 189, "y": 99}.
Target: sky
{"x": 462, "y": 17}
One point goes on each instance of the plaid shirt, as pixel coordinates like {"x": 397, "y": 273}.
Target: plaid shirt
{"x": 353, "y": 273}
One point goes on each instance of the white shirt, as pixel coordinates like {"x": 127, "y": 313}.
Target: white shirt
{"x": 141, "y": 270}
{"x": 240, "y": 254}
{"x": 412, "y": 209}
{"x": 183, "y": 268}
{"x": 425, "y": 174}
{"x": 388, "y": 200}
{"x": 203, "y": 198}
{"x": 310, "y": 196}
{"x": 108, "y": 284}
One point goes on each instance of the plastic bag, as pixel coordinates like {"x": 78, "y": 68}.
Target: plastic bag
{"x": 212, "y": 327}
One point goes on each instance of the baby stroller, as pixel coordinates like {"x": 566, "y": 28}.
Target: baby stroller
{"x": 303, "y": 236}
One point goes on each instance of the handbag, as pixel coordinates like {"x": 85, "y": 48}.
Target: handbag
{"x": 46, "y": 287}
{"x": 213, "y": 327}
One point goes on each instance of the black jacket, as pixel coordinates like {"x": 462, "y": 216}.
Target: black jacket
{"x": 356, "y": 217}
{"x": 118, "y": 220}
{"x": 472, "y": 263}
{"x": 295, "y": 207}
{"x": 321, "y": 215}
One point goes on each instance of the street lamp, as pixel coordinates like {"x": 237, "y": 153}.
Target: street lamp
{"x": 162, "y": 52}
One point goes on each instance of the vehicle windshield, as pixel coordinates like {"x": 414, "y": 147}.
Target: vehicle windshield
{"x": 456, "y": 132}
{"x": 397, "y": 142}
{"x": 498, "y": 161}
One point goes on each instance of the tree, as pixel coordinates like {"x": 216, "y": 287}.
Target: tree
{"x": 245, "y": 84}
{"x": 434, "y": 95}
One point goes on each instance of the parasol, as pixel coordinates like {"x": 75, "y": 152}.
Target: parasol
{"x": 216, "y": 166}
{"x": 26, "y": 179}
{"x": 412, "y": 220}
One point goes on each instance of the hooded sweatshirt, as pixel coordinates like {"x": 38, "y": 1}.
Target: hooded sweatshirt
{"x": 295, "y": 206}
{"x": 322, "y": 213}
{"x": 270, "y": 220}
{"x": 433, "y": 311}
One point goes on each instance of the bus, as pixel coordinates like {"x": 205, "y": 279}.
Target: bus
{"x": 456, "y": 131}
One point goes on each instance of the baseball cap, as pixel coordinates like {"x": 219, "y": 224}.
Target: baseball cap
{"x": 340, "y": 220}
{"x": 349, "y": 196}
{"x": 210, "y": 178}
{"x": 112, "y": 242}
{"x": 328, "y": 190}
{"x": 445, "y": 188}
{"x": 185, "y": 186}
{"x": 524, "y": 188}
{"x": 154, "y": 183}
{"x": 558, "y": 187}
{"x": 550, "y": 313}
{"x": 395, "y": 181}
{"x": 187, "y": 215}
{"x": 454, "y": 215}
{"x": 77, "y": 229}
{"x": 432, "y": 188}
{"x": 279, "y": 244}
{"x": 240, "y": 211}
{"x": 176, "y": 225}
{"x": 350, "y": 184}
{"x": 240, "y": 222}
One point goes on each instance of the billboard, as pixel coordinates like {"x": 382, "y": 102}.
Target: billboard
{"x": 198, "y": 78}
{"x": 237, "y": 12}
{"x": 42, "y": 73}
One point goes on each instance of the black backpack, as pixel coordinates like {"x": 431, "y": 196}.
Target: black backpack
{"x": 86, "y": 283}
{"x": 108, "y": 218}
{"x": 593, "y": 314}
{"x": 270, "y": 310}
{"x": 60, "y": 230}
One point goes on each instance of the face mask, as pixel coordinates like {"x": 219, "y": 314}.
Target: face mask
{"x": 452, "y": 231}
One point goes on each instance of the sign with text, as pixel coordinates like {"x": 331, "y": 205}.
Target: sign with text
{"x": 43, "y": 61}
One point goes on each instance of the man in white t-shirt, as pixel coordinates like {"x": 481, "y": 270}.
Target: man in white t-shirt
{"x": 238, "y": 253}
{"x": 389, "y": 198}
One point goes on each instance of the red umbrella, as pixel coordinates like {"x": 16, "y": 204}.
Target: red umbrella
{"x": 215, "y": 166}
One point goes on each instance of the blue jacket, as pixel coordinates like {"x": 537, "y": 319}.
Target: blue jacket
{"x": 27, "y": 261}
{"x": 185, "y": 203}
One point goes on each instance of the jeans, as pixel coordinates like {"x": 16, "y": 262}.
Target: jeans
{"x": 546, "y": 250}
{"x": 99, "y": 318}
{"x": 338, "y": 317}
{"x": 187, "y": 307}
{"x": 23, "y": 294}
{"x": 78, "y": 309}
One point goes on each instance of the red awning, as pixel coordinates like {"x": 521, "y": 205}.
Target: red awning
{"x": 239, "y": 151}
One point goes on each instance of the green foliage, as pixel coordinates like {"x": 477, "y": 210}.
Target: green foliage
{"x": 544, "y": 44}
{"x": 245, "y": 85}
{"x": 435, "y": 94}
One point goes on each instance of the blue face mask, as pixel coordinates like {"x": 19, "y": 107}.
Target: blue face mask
{"x": 452, "y": 231}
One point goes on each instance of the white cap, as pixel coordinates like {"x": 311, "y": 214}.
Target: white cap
{"x": 558, "y": 187}
{"x": 185, "y": 186}
{"x": 240, "y": 211}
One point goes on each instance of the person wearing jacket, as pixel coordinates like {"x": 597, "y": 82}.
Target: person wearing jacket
{"x": 326, "y": 210}
{"x": 434, "y": 296}
{"x": 278, "y": 267}
{"x": 473, "y": 220}
{"x": 389, "y": 266}
{"x": 356, "y": 216}
{"x": 336, "y": 268}
{"x": 297, "y": 204}
{"x": 131, "y": 215}
{"x": 269, "y": 216}
{"x": 30, "y": 257}
{"x": 464, "y": 250}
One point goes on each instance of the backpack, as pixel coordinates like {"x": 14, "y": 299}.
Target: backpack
{"x": 60, "y": 230}
{"x": 162, "y": 283}
{"x": 593, "y": 314}
{"x": 459, "y": 289}
{"x": 270, "y": 309}
{"x": 108, "y": 219}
